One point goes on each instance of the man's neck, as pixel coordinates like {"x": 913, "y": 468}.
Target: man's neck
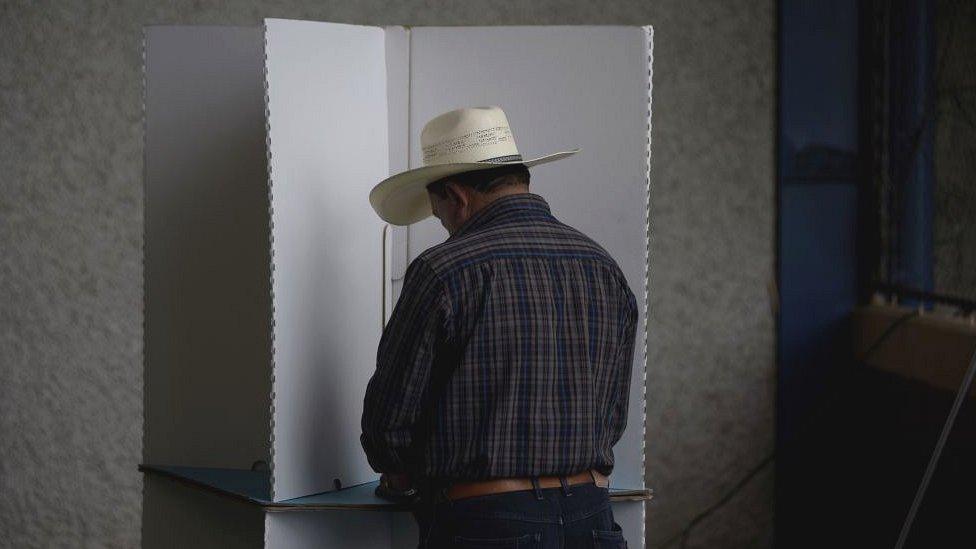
{"x": 483, "y": 201}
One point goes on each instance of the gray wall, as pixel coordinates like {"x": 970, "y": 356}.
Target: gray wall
{"x": 954, "y": 225}
{"x": 71, "y": 272}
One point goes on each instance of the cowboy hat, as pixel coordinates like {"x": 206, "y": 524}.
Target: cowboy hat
{"x": 458, "y": 141}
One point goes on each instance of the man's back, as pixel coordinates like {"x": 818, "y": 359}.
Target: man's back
{"x": 529, "y": 327}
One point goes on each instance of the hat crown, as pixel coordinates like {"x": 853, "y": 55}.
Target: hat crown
{"x": 470, "y": 134}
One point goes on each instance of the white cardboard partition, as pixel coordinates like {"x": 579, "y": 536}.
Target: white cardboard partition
{"x": 268, "y": 275}
{"x": 207, "y": 292}
{"x": 339, "y": 529}
{"x": 328, "y": 146}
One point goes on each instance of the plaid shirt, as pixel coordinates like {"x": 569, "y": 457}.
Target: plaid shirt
{"x": 508, "y": 354}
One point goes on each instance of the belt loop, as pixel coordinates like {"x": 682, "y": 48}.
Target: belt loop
{"x": 442, "y": 494}
{"x": 566, "y": 491}
{"x": 536, "y": 488}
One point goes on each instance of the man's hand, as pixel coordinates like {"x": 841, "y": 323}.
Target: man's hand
{"x": 396, "y": 487}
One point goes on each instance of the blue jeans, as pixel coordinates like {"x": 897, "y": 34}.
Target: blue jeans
{"x": 575, "y": 516}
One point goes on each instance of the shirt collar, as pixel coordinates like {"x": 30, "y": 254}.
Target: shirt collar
{"x": 501, "y": 206}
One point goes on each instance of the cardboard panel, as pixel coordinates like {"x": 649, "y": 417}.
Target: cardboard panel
{"x": 398, "y": 81}
{"x": 561, "y": 87}
{"x": 404, "y": 531}
{"x": 174, "y": 516}
{"x": 398, "y": 99}
{"x": 328, "y": 146}
{"x": 207, "y": 295}
{"x": 315, "y": 529}
{"x": 630, "y": 516}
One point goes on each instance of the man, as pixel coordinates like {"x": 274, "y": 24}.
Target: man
{"x": 503, "y": 374}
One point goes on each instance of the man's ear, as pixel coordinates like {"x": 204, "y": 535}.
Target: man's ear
{"x": 455, "y": 193}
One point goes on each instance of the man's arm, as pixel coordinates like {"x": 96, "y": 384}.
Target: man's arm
{"x": 624, "y": 365}
{"x": 403, "y": 365}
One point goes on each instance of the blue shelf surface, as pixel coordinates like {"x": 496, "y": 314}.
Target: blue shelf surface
{"x": 255, "y": 487}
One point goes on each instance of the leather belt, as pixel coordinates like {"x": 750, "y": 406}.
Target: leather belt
{"x": 469, "y": 489}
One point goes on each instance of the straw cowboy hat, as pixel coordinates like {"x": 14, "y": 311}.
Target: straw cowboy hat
{"x": 457, "y": 141}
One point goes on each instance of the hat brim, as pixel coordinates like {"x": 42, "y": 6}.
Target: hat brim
{"x": 401, "y": 199}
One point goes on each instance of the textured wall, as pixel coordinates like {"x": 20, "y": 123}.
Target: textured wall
{"x": 71, "y": 269}
{"x": 954, "y": 226}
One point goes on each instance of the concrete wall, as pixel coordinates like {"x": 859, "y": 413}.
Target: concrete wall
{"x": 954, "y": 226}
{"x": 71, "y": 271}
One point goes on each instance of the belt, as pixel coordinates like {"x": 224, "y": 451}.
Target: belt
{"x": 467, "y": 489}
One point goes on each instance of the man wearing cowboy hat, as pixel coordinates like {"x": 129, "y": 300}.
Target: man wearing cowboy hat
{"x": 503, "y": 374}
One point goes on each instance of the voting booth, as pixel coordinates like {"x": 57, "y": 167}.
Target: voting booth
{"x": 268, "y": 276}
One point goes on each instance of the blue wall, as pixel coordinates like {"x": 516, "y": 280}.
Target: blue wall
{"x": 818, "y": 140}
{"x": 828, "y": 247}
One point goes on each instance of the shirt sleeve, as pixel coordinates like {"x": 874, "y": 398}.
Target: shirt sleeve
{"x": 624, "y": 366}
{"x": 404, "y": 360}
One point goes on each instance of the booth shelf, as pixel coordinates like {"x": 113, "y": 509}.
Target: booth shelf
{"x": 254, "y": 487}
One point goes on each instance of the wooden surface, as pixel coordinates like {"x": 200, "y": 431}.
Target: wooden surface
{"x": 931, "y": 347}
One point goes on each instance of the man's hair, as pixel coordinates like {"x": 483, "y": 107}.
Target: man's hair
{"x": 484, "y": 181}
